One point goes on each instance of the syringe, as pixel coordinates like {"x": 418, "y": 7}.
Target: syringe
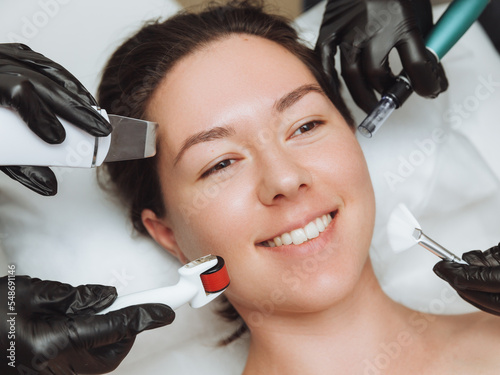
{"x": 451, "y": 26}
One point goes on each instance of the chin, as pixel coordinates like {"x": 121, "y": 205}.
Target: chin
{"x": 327, "y": 288}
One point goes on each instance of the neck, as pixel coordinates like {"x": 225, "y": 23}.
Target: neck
{"x": 336, "y": 339}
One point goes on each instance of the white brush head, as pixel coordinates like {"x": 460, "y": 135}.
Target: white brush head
{"x": 400, "y": 228}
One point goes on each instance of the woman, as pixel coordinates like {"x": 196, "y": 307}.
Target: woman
{"x": 258, "y": 162}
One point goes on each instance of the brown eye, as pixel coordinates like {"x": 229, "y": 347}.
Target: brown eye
{"x": 217, "y": 167}
{"x": 306, "y": 127}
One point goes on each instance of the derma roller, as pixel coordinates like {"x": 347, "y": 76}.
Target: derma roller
{"x": 201, "y": 281}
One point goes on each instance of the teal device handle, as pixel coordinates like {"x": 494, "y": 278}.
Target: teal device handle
{"x": 454, "y": 22}
{"x": 450, "y": 27}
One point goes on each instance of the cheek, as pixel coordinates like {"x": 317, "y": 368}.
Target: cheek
{"x": 343, "y": 172}
{"x": 339, "y": 161}
{"x": 221, "y": 220}
{"x": 360, "y": 204}
{"x": 211, "y": 218}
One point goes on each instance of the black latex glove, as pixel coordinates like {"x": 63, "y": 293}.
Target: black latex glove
{"x": 39, "y": 89}
{"x": 57, "y": 333}
{"x": 365, "y": 32}
{"x": 479, "y": 282}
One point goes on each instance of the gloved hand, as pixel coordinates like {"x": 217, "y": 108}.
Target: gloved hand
{"x": 55, "y": 331}
{"x": 479, "y": 282}
{"x": 365, "y": 32}
{"x": 39, "y": 89}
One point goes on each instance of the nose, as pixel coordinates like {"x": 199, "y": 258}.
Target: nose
{"x": 282, "y": 178}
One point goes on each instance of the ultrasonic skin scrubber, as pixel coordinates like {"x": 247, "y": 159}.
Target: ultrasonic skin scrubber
{"x": 130, "y": 139}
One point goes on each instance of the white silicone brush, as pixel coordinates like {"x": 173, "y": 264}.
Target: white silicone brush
{"x": 404, "y": 231}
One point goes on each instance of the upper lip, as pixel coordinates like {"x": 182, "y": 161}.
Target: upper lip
{"x": 296, "y": 225}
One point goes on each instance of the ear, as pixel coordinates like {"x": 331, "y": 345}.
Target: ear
{"x": 162, "y": 233}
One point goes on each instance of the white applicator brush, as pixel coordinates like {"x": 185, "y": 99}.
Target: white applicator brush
{"x": 404, "y": 231}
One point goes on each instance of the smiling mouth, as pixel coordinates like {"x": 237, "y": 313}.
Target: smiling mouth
{"x": 301, "y": 235}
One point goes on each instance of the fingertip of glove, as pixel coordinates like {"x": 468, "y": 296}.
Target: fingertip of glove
{"x": 89, "y": 120}
{"x": 132, "y": 320}
{"x": 100, "y": 127}
{"x": 22, "y": 47}
{"x": 46, "y": 183}
{"x": 443, "y": 267}
{"x": 105, "y": 292}
{"x": 160, "y": 314}
{"x": 149, "y": 316}
{"x": 45, "y": 124}
{"x": 46, "y": 192}
{"x": 41, "y": 180}
{"x": 53, "y": 134}
{"x": 101, "y": 296}
{"x": 428, "y": 76}
{"x": 473, "y": 257}
{"x": 437, "y": 269}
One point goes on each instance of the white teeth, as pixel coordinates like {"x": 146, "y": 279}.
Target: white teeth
{"x": 301, "y": 235}
{"x": 286, "y": 238}
{"x": 312, "y": 231}
{"x": 277, "y": 241}
{"x": 298, "y": 236}
{"x": 324, "y": 220}
{"x": 319, "y": 224}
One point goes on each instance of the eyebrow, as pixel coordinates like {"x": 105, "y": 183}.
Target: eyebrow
{"x": 294, "y": 96}
{"x": 218, "y": 132}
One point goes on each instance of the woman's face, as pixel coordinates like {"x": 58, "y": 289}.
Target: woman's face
{"x": 251, "y": 150}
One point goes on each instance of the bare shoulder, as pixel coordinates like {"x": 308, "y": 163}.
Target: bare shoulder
{"x": 481, "y": 326}
{"x": 456, "y": 344}
{"x": 475, "y": 341}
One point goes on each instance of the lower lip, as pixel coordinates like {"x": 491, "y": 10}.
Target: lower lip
{"x": 309, "y": 247}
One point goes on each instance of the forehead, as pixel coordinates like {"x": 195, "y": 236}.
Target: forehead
{"x": 229, "y": 77}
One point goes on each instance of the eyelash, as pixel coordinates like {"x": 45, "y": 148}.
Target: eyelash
{"x": 315, "y": 124}
{"x": 217, "y": 167}
{"x": 220, "y": 166}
